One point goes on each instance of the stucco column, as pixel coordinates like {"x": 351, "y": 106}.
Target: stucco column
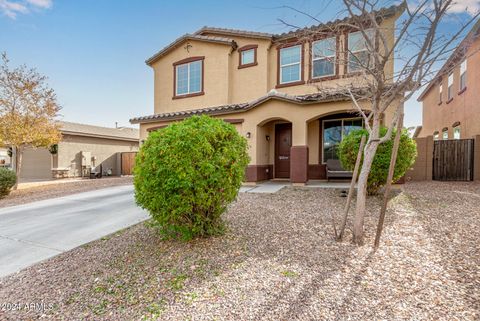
{"x": 251, "y": 134}
{"x": 299, "y": 153}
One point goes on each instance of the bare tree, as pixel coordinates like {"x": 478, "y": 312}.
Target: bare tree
{"x": 28, "y": 108}
{"x": 414, "y": 44}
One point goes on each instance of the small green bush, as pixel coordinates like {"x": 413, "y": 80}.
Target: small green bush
{"x": 187, "y": 173}
{"x": 407, "y": 152}
{"x": 7, "y": 181}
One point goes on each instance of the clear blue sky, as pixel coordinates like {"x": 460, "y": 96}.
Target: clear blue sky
{"x": 94, "y": 51}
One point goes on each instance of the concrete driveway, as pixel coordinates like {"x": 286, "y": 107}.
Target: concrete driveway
{"x": 36, "y": 231}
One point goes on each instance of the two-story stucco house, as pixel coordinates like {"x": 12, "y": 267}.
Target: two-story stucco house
{"x": 284, "y": 93}
{"x": 451, "y": 108}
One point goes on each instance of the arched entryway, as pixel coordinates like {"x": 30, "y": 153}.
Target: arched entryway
{"x": 273, "y": 145}
{"x": 325, "y": 133}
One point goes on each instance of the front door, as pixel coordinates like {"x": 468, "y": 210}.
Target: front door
{"x": 283, "y": 142}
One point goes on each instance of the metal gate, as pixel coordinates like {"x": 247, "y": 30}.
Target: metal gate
{"x": 128, "y": 162}
{"x": 453, "y": 160}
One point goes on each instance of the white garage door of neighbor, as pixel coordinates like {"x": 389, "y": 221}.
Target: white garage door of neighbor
{"x": 36, "y": 164}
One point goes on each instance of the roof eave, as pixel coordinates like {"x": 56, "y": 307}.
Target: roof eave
{"x": 73, "y": 133}
{"x": 253, "y": 104}
{"x": 226, "y": 32}
{"x": 394, "y": 10}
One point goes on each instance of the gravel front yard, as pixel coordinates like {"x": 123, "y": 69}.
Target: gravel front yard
{"x": 39, "y": 193}
{"x": 278, "y": 261}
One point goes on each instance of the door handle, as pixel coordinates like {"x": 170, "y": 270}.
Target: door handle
{"x": 282, "y": 157}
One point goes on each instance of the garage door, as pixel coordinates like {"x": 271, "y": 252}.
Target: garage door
{"x": 36, "y": 164}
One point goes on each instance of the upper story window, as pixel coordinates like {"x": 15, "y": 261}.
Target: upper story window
{"x": 247, "y": 56}
{"x": 323, "y": 57}
{"x": 440, "y": 90}
{"x": 450, "y": 87}
{"x": 463, "y": 75}
{"x": 188, "y": 77}
{"x": 445, "y": 133}
{"x": 358, "y": 55}
{"x": 435, "y": 135}
{"x": 456, "y": 132}
{"x": 290, "y": 64}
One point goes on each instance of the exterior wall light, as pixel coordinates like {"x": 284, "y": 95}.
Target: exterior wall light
{"x": 267, "y": 138}
{"x": 248, "y": 135}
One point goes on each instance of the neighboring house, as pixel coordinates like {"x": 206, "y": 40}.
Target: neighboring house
{"x": 4, "y": 158}
{"x": 451, "y": 108}
{"x": 285, "y": 93}
{"x": 448, "y": 142}
{"x": 82, "y": 147}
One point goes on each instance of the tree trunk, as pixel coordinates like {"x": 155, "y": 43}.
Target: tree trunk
{"x": 391, "y": 171}
{"x": 350, "y": 191}
{"x": 18, "y": 164}
{"x": 368, "y": 157}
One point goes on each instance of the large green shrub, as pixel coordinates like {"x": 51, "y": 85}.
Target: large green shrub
{"x": 407, "y": 152}
{"x": 7, "y": 181}
{"x": 187, "y": 173}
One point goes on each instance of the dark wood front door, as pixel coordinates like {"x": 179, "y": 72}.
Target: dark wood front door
{"x": 283, "y": 142}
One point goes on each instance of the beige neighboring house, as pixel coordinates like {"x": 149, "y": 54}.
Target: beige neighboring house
{"x": 4, "y": 158}
{"x": 82, "y": 147}
{"x": 286, "y": 93}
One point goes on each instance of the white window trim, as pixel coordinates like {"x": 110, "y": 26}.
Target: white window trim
{"x": 323, "y": 131}
{"x": 354, "y": 52}
{"x": 325, "y": 58}
{"x": 241, "y": 57}
{"x": 188, "y": 78}
{"x": 290, "y": 64}
{"x": 463, "y": 66}
{"x": 443, "y": 134}
{"x": 450, "y": 86}
{"x": 440, "y": 93}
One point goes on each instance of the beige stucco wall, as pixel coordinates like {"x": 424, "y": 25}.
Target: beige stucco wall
{"x": 36, "y": 164}
{"x": 216, "y": 68}
{"x": 464, "y": 107}
{"x": 105, "y": 151}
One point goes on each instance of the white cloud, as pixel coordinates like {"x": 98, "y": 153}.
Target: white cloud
{"x": 469, "y": 6}
{"x": 41, "y": 3}
{"x": 12, "y": 8}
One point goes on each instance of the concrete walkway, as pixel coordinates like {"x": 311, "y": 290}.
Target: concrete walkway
{"x": 36, "y": 231}
{"x": 276, "y": 185}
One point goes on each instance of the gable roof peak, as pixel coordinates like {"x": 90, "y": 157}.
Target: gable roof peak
{"x": 188, "y": 36}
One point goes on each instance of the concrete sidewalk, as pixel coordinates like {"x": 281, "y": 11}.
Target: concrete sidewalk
{"x": 274, "y": 186}
{"x": 36, "y": 231}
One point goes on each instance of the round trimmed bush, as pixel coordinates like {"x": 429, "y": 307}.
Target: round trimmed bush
{"x": 8, "y": 178}
{"x": 407, "y": 152}
{"x": 186, "y": 174}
